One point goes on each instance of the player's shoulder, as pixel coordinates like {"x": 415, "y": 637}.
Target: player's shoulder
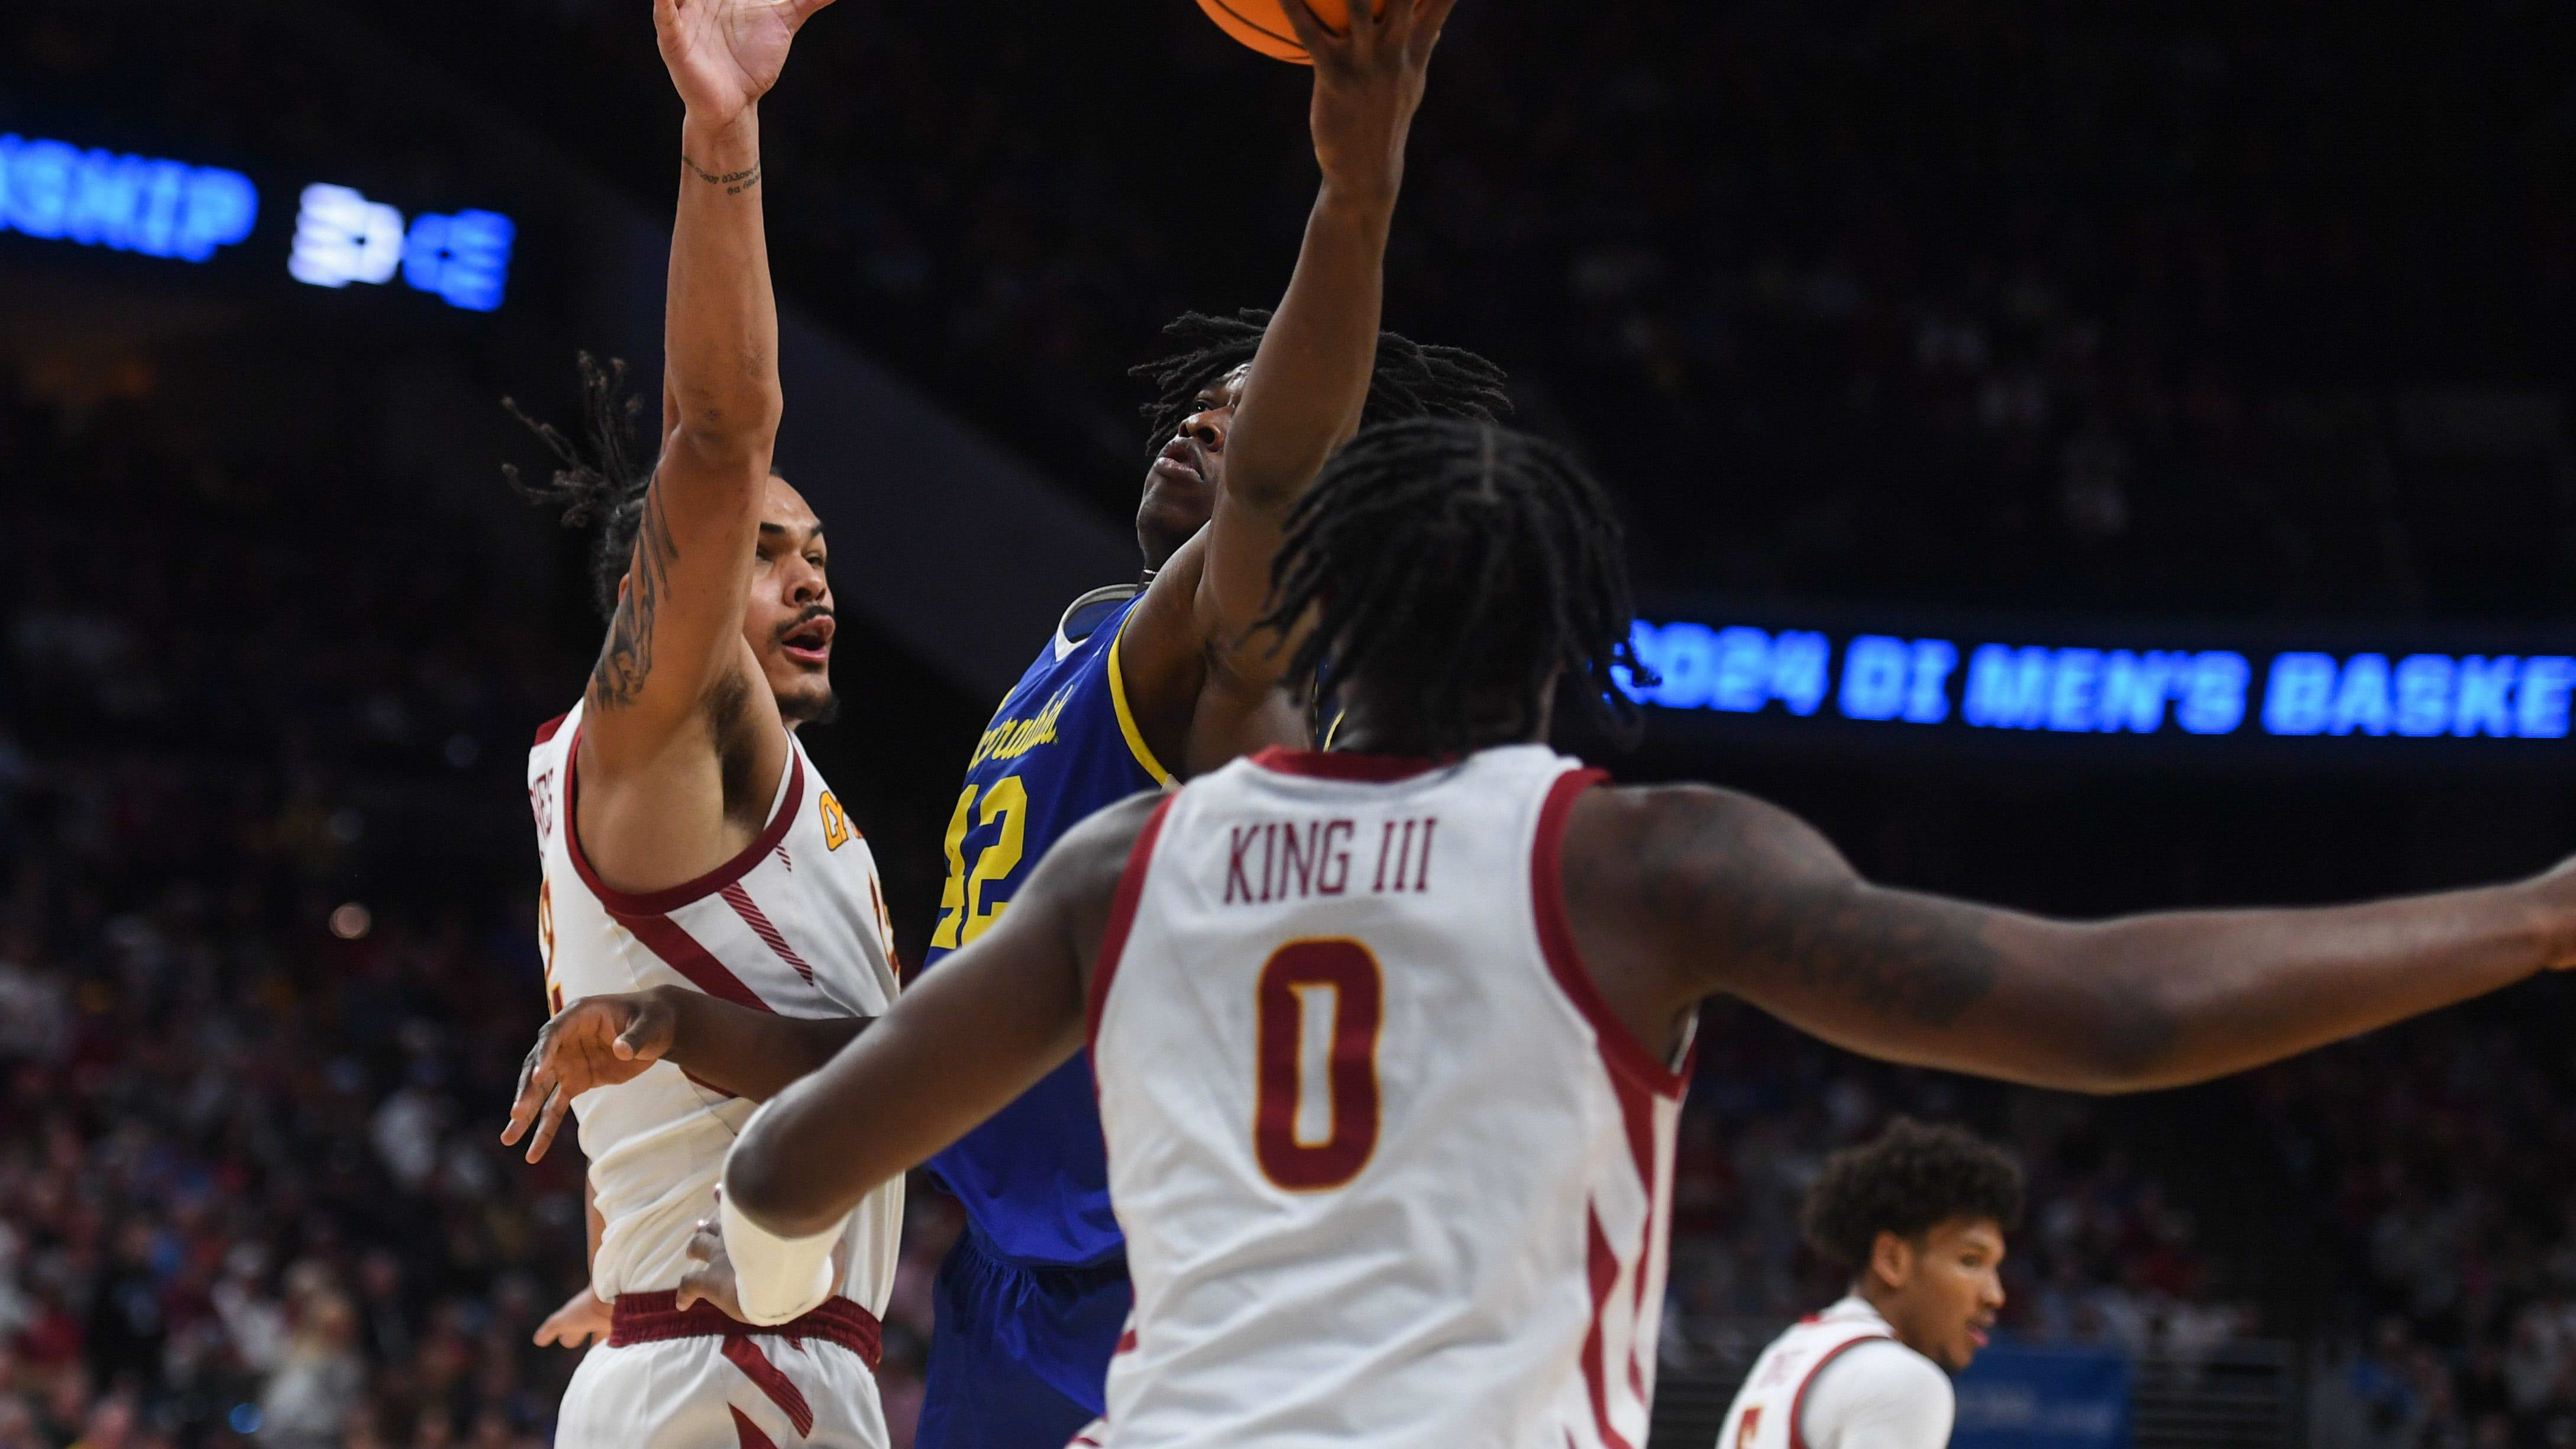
{"x": 1092, "y": 855}
{"x": 1895, "y": 1393}
{"x": 1651, "y": 838}
{"x": 1885, "y": 1370}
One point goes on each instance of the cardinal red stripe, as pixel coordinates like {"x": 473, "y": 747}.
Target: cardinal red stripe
{"x": 747, "y": 1434}
{"x": 681, "y": 952}
{"x": 761, "y": 926}
{"x": 771, "y": 1380}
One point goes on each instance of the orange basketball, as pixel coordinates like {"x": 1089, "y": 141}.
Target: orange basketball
{"x": 1262, "y": 25}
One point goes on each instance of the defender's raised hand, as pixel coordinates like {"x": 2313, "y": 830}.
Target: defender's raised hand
{"x": 1368, "y": 83}
{"x": 598, "y": 1041}
{"x": 724, "y": 55}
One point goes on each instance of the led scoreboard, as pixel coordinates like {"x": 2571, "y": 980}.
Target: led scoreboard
{"x": 56, "y": 191}
{"x": 2055, "y": 680}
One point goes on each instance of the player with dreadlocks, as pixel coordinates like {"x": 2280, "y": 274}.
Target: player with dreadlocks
{"x": 693, "y": 858}
{"x": 1142, "y": 685}
{"x": 1391, "y": 1039}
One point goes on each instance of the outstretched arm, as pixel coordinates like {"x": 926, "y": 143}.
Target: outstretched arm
{"x": 1192, "y": 637}
{"x": 1727, "y": 894}
{"x": 960, "y": 1046}
{"x": 601, "y": 1041}
{"x": 676, "y": 637}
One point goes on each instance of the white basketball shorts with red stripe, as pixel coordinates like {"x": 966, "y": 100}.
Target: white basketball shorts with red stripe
{"x": 699, "y": 1380}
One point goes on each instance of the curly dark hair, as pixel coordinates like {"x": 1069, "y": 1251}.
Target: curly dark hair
{"x": 1913, "y": 1178}
{"x": 1458, "y": 567}
{"x": 1412, "y": 380}
{"x": 601, "y": 480}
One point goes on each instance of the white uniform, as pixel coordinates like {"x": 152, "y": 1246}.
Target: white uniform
{"x": 1841, "y": 1380}
{"x": 1389, "y": 1171}
{"x": 794, "y": 924}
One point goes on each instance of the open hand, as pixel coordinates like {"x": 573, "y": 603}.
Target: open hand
{"x": 598, "y": 1041}
{"x": 724, "y": 55}
{"x": 582, "y": 1318}
{"x": 1368, "y": 83}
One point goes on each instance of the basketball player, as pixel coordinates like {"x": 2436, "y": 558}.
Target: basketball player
{"x": 1918, "y": 1217}
{"x": 1391, "y": 1040}
{"x": 690, "y": 848}
{"x": 1146, "y": 684}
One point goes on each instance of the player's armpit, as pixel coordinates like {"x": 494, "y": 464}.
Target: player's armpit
{"x": 1163, "y": 657}
{"x": 1679, "y": 893}
{"x": 962, "y": 1044}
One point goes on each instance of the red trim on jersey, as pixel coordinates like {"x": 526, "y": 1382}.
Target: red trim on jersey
{"x": 681, "y": 952}
{"x": 547, "y": 730}
{"x": 656, "y": 903}
{"x": 1122, "y": 916}
{"x": 761, "y": 926}
{"x": 1798, "y": 1401}
{"x": 1620, "y": 1048}
{"x": 658, "y": 1318}
{"x": 1344, "y": 765}
{"x": 1603, "y": 1267}
{"x": 746, "y": 1434}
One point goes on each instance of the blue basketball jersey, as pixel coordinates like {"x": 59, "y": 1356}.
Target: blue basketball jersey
{"x": 1035, "y": 1177}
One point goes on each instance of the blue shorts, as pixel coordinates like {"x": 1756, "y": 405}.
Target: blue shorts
{"x": 1018, "y": 1354}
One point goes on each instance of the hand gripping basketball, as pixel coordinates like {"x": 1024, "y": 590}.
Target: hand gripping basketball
{"x": 1264, "y": 24}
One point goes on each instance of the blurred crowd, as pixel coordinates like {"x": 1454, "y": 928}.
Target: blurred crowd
{"x": 2003, "y": 304}
{"x": 2107, "y": 1256}
{"x": 2225, "y": 309}
{"x": 259, "y": 994}
{"x": 2435, "y": 1162}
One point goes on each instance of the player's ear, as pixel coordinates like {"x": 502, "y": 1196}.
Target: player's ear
{"x": 1891, "y": 1260}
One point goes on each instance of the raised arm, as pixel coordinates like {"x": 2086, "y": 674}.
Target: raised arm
{"x": 962, "y": 1044}
{"x": 1192, "y": 637}
{"x": 1680, "y": 893}
{"x": 675, "y": 646}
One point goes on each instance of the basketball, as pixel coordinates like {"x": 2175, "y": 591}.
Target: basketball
{"x": 1262, "y": 25}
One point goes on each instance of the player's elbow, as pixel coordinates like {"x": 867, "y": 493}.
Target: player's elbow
{"x": 723, "y": 428}
{"x": 761, "y": 1183}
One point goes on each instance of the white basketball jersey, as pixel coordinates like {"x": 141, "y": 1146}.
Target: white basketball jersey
{"x": 1767, "y": 1409}
{"x": 1390, "y": 1172}
{"x": 795, "y": 924}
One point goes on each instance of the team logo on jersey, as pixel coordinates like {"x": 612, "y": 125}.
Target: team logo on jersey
{"x": 836, "y": 824}
{"x": 541, "y": 803}
{"x": 1011, "y": 738}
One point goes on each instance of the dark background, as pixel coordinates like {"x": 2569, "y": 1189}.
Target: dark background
{"x": 2188, "y": 312}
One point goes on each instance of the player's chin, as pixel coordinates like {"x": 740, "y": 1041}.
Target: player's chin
{"x": 809, "y": 700}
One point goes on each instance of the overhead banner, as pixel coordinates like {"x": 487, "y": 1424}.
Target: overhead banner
{"x": 2349, "y": 690}
{"x": 57, "y": 191}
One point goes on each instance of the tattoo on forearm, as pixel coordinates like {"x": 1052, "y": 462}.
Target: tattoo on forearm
{"x": 1927, "y": 967}
{"x": 735, "y": 183}
{"x": 626, "y": 659}
{"x": 1920, "y": 962}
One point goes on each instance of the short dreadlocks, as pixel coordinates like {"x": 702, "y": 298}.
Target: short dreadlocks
{"x": 602, "y": 479}
{"x": 1912, "y": 1179}
{"x": 1458, "y": 567}
{"x": 1412, "y": 380}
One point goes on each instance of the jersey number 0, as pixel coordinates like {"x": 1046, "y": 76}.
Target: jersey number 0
{"x": 1320, "y": 1003}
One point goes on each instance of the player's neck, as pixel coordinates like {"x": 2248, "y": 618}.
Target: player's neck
{"x": 1367, "y": 731}
{"x": 1888, "y": 1303}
